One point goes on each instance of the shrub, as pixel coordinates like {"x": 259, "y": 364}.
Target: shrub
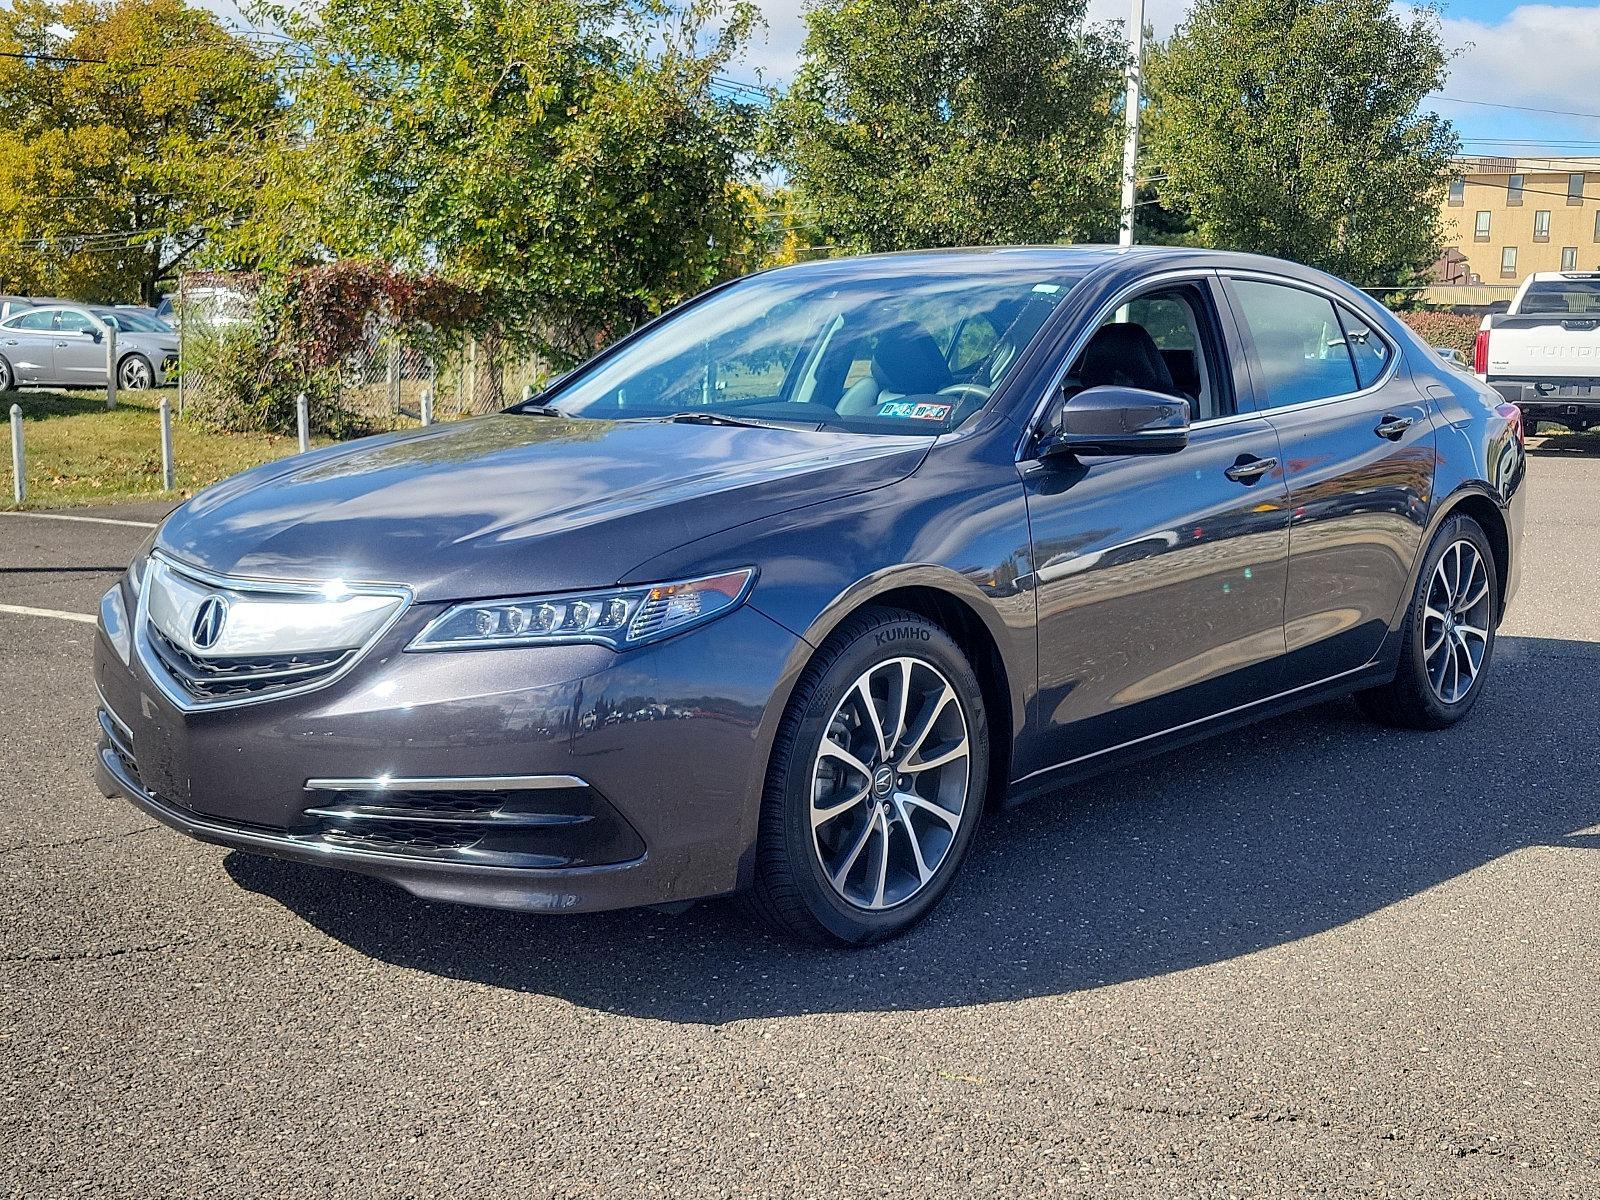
{"x": 1457, "y": 330}
{"x": 303, "y": 332}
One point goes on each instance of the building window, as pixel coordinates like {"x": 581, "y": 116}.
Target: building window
{"x": 1597, "y": 226}
{"x": 1508, "y": 263}
{"x": 1514, "y": 190}
{"x": 1575, "y": 188}
{"x": 1480, "y": 231}
{"x": 1569, "y": 258}
{"x": 1458, "y": 193}
{"x": 1541, "y": 226}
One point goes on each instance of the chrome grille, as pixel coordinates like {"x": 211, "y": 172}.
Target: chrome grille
{"x": 211, "y": 641}
{"x": 217, "y": 678}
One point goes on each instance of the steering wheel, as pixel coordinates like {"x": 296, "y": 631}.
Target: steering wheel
{"x": 968, "y": 389}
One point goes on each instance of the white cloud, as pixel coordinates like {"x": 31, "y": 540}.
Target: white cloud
{"x": 1162, "y": 16}
{"x": 778, "y": 53}
{"x": 1538, "y": 56}
{"x": 776, "y": 50}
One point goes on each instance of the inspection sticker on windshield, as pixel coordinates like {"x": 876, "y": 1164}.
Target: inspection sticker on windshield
{"x": 914, "y": 412}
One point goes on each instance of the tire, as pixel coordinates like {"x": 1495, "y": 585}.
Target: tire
{"x": 135, "y": 373}
{"x": 8, "y": 377}
{"x": 1440, "y": 678}
{"x": 892, "y": 852}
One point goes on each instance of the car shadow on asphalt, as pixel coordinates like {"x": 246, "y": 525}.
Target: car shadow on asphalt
{"x": 1250, "y": 840}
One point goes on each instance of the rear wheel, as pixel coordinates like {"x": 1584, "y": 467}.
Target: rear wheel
{"x": 876, "y": 782}
{"x": 1448, "y": 636}
{"x": 8, "y": 379}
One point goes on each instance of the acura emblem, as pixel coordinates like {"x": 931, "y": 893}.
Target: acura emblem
{"x": 208, "y": 622}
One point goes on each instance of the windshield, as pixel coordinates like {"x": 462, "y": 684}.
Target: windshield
{"x": 134, "y": 322}
{"x": 1580, "y": 296}
{"x": 877, "y": 354}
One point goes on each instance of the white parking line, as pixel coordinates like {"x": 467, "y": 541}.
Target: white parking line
{"x": 24, "y": 610}
{"x": 39, "y": 516}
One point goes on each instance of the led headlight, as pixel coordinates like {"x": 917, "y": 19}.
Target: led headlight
{"x": 619, "y": 617}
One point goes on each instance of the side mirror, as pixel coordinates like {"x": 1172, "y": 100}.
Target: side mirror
{"x": 90, "y": 333}
{"x": 1119, "y": 420}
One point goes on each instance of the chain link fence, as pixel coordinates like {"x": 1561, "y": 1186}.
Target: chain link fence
{"x": 380, "y": 382}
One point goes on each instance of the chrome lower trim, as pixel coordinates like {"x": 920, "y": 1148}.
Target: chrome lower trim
{"x": 498, "y": 820}
{"x": 111, "y": 714}
{"x": 1217, "y": 716}
{"x": 314, "y": 850}
{"x": 448, "y": 783}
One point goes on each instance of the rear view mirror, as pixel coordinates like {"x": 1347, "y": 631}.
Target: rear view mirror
{"x": 1119, "y": 420}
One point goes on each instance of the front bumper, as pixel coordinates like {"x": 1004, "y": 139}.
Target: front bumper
{"x": 664, "y": 749}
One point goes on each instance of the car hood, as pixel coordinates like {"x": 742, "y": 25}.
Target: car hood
{"x": 518, "y": 503}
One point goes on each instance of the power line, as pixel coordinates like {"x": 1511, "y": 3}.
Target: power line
{"x": 1554, "y": 112}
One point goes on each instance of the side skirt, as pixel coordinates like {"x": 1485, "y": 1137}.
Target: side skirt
{"x": 1049, "y": 779}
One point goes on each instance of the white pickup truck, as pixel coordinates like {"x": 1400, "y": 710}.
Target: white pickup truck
{"x": 1543, "y": 354}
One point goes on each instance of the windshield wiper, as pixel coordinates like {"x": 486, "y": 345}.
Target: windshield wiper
{"x": 713, "y": 418}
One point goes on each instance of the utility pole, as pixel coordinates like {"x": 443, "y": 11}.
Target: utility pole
{"x": 1130, "y": 140}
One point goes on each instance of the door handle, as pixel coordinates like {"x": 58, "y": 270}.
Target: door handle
{"x": 1392, "y": 427}
{"x": 1248, "y": 469}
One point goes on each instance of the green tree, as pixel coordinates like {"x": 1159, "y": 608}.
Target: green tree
{"x": 951, "y": 122}
{"x": 572, "y": 158}
{"x": 1291, "y": 127}
{"x": 129, "y": 133}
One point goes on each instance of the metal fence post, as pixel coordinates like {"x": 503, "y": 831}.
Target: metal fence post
{"x": 393, "y": 379}
{"x": 302, "y": 420}
{"x": 168, "y": 475}
{"x": 19, "y": 483}
{"x": 111, "y": 365}
{"x": 427, "y": 406}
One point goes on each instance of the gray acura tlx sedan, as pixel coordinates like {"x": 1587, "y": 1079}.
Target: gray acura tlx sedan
{"x": 780, "y": 592}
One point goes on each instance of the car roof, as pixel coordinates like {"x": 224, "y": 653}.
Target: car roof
{"x": 1077, "y": 260}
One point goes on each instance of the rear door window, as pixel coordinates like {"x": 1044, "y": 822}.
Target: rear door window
{"x": 42, "y": 319}
{"x": 1368, "y": 351}
{"x": 1299, "y": 343}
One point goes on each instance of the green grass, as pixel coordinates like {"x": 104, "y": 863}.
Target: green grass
{"x": 78, "y": 452}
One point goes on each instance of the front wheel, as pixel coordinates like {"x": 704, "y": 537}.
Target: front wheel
{"x": 136, "y": 374}
{"x": 8, "y": 380}
{"x": 876, "y": 783}
{"x": 1448, "y": 635}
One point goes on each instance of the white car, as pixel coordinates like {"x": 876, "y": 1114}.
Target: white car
{"x": 63, "y": 345}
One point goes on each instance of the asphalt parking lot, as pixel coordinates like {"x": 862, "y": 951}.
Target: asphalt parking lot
{"x": 1313, "y": 957}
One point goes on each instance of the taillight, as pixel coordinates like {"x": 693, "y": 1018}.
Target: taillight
{"x": 1480, "y": 353}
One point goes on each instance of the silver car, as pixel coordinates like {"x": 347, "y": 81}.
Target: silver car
{"x": 63, "y": 345}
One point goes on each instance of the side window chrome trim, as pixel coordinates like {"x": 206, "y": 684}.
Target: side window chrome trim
{"x": 1075, "y": 347}
{"x": 1338, "y": 302}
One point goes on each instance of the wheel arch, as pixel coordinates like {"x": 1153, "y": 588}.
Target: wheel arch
{"x": 956, "y": 605}
{"x": 1482, "y": 508}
